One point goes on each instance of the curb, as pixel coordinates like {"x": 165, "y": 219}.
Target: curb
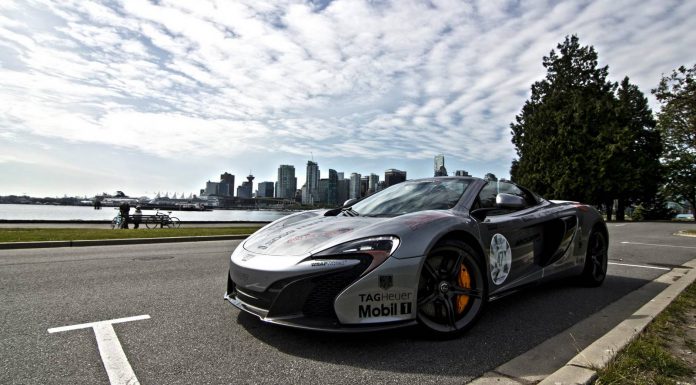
{"x": 582, "y": 369}
{"x": 109, "y": 242}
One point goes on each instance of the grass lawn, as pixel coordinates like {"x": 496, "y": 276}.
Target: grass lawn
{"x": 664, "y": 352}
{"x": 29, "y": 235}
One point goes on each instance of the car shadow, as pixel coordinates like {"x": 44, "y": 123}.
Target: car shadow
{"x": 509, "y": 326}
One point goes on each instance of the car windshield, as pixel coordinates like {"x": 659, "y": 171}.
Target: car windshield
{"x": 409, "y": 197}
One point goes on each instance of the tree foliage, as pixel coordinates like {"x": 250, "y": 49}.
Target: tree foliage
{"x": 676, "y": 122}
{"x": 582, "y": 137}
{"x": 557, "y": 134}
{"x": 633, "y": 151}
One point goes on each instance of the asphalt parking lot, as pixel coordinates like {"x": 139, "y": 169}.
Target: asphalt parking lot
{"x": 193, "y": 336}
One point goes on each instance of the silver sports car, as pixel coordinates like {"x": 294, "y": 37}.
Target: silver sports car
{"x": 428, "y": 251}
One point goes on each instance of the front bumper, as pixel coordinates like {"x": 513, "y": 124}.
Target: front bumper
{"x": 330, "y": 300}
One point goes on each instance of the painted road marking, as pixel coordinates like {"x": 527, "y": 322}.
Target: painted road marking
{"x": 115, "y": 361}
{"x": 654, "y": 244}
{"x": 643, "y": 266}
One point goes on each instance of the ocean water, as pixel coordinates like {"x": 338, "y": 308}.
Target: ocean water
{"x": 67, "y": 213}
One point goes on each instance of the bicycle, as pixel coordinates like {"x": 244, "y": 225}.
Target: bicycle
{"x": 161, "y": 220}
{"x": 117, "y": 222}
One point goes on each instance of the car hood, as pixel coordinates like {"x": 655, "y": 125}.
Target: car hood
{"x": 310, "y": 231}
{"x": 300, "y": 235}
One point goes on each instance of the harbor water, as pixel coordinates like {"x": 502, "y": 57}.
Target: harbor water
{"x": 70, "y": 213}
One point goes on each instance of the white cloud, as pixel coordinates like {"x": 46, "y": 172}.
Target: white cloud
{"x": 371, "y": 80}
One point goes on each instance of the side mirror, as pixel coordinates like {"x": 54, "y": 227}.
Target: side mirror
{"x": 509, "y": 201}
{"x": 350, "y": 202}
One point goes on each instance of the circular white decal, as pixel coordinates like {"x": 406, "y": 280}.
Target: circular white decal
{"x": 500, "y": 259}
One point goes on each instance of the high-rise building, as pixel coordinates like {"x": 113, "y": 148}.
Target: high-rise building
{"x": 211, "y": 188}
{"x": 340, "y": 175}
{"x": 305, "y": 194}
{"x": 287, "y": 183}
{"x": 394, "y": 176}
{"x": 322, "y": 191}
{"x": 440, "y": 169}
{"x": 312, "y": 182}
{"x": 332, "y": 188}
{"x": 461, "y": 173}
{"x": 265, "y": 190}
{"x": 226, "y": 186}
{"x": 245, "y": 190}
{"x": 342, "y": 191}
{"x": 364, "y": 183}
{"x": 372, "y": 184}
{"x": 354, "y": 185}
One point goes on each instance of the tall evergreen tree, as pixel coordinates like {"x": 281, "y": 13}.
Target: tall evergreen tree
{"x": 634, "y": 161}
{"x": 559, "y": 133}
{"x": 676, "y": 122}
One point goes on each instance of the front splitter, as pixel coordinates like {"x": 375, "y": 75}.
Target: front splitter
{"x": 316, "y": 324}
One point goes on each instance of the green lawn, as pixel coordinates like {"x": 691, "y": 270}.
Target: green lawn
{"x": 29, "y": 235}
{"x": 654, "y": 357}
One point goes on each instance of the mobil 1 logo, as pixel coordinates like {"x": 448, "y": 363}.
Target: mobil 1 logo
{"x": 374, "y": 305}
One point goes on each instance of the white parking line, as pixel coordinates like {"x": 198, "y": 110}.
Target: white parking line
{"x": 643, "y": 266}
{"x": 654, "y": 244}
{"x": 115, "y": 361}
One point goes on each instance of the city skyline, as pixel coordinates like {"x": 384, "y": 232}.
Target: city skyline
{"x": 145, "y": 96}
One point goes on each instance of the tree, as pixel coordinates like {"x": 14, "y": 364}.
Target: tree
{"x": 633, "y": 153}
{"x": 676, "y": 121}
{"x": 558, "y": 135}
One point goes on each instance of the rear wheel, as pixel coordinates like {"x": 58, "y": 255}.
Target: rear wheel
{"x": 596, "y": 260}
{"x": 451, "y": 290}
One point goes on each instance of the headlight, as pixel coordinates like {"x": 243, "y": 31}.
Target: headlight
{"x": 379, "y": 248}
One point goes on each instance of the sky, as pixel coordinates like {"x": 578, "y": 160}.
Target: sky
{"x": 162, "y": 96}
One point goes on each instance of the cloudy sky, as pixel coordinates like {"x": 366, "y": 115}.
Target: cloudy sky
{"x": 146, "y": 96}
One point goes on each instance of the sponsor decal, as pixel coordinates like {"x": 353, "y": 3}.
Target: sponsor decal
{"x": 386, "y": 281}
{"x": 422, "y": 220}
{"x": 318, "y": 234}
{"x": 384, "y": 310}
{"x": 384, "y": 304}
{"x": 247, "y": 257}
{"x": 381, "y": 297}
{"x": 500, "y": 259}
{"x": 277, "y": 237}
{"x": 329, "y": 263}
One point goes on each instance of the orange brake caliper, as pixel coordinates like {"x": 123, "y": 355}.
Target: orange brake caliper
{"x": 464, "y": 281}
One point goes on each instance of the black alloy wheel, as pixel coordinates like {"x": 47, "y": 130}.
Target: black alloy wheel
{"x": 451, "y": 290}
{"x": 596, "y": 260}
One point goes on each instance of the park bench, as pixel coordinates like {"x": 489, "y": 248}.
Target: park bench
{"x": 150, "y": 221}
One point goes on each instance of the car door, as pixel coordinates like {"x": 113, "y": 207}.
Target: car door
{"x": 512, "y": 238}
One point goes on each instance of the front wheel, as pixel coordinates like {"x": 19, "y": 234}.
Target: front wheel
{"x": 174, "y": 223}
{"x": 451, "y": 290}
{"x": 596, "y": 260}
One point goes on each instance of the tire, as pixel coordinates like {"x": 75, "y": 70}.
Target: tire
{"x": 151, "y": 224}
{"x": 115, "y": 223}
{"x": 174, "y": 223}
{"x": 596, "y": 260}
{"x": 452, "y": 290}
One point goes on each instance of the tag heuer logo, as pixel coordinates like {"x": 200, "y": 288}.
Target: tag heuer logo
{"x": 386, "y": 281}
